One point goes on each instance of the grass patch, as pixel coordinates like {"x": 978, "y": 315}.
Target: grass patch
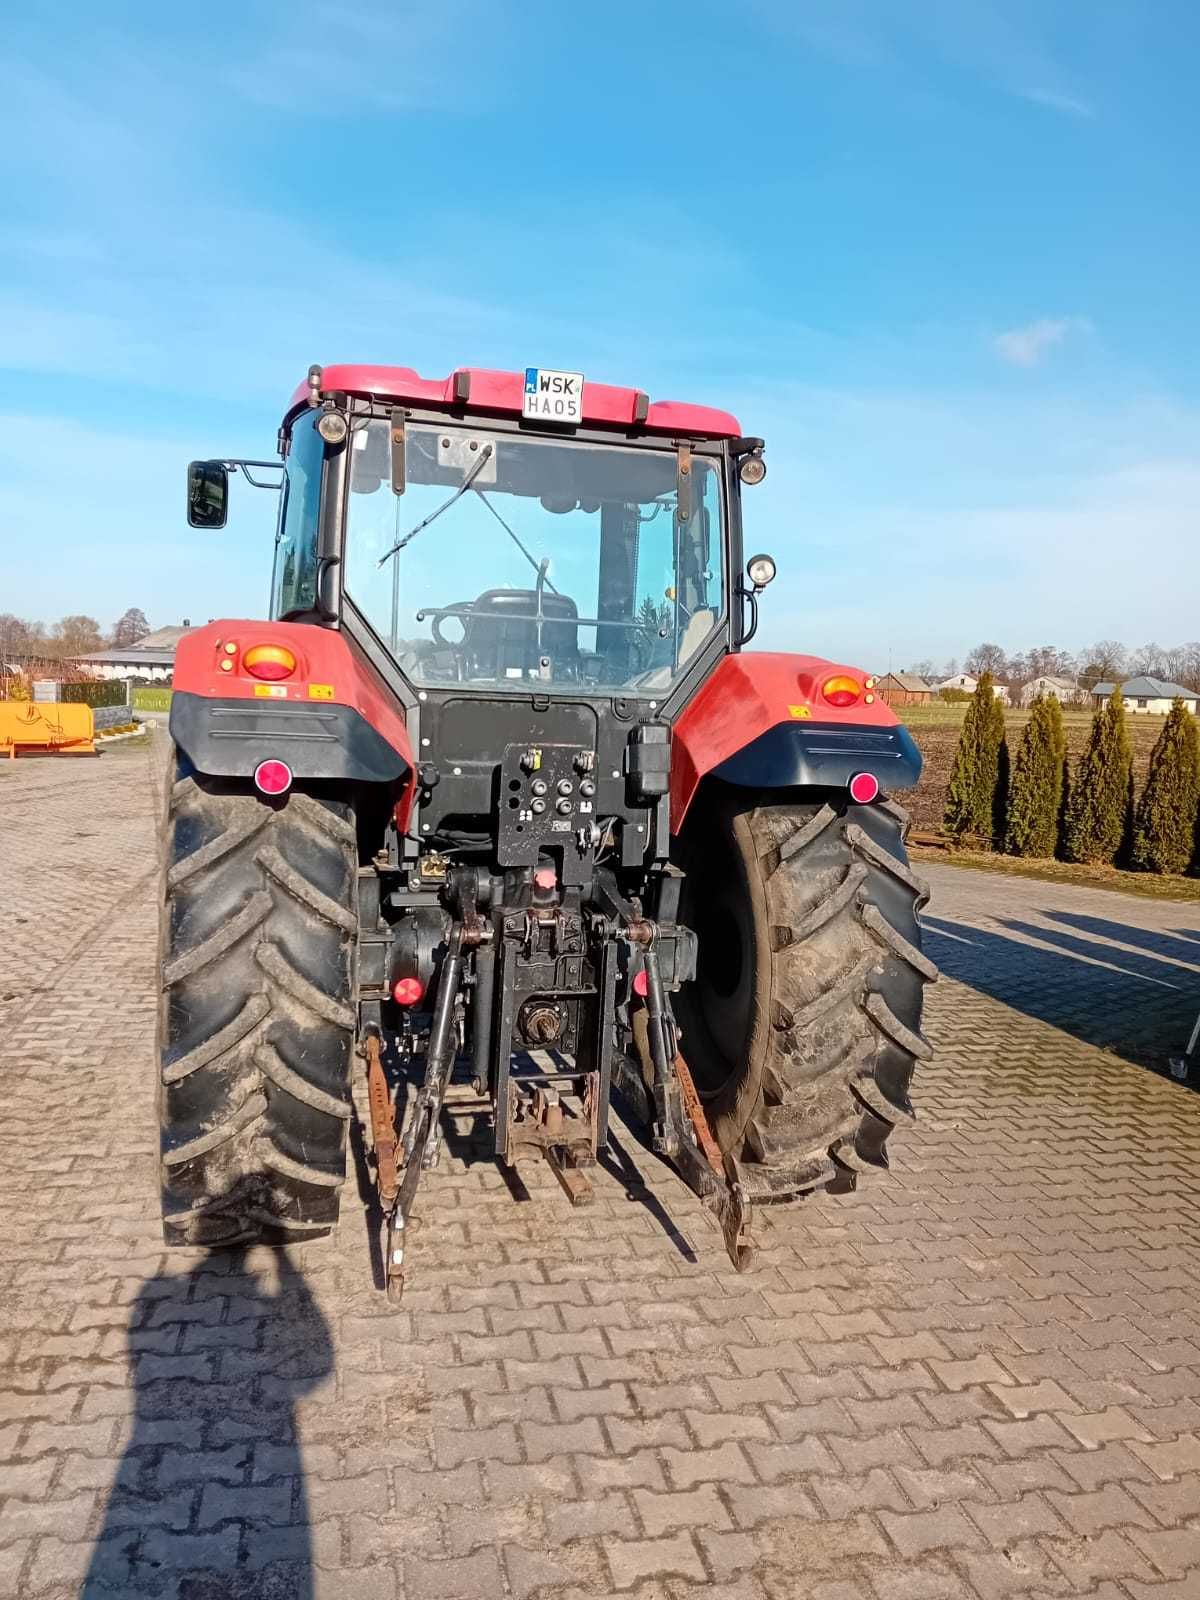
{"x": 146, "y": 698}
{"x": 1147, "y": 885}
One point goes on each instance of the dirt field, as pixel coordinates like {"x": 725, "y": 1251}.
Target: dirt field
{"x": 936, "y": 729}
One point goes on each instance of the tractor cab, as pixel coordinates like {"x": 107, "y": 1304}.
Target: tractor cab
{"x": 495, "y": 787}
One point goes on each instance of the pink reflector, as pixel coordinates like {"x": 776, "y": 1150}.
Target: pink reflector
{"x": 641, "y": 983}
{"x": 407, "y": 991}
{"x": 272, "y": 777}
{"x": 864, "y": 787}
{"x": 545, "y": 877}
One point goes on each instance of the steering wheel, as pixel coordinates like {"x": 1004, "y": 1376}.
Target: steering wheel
{"x": 454, "y": 612}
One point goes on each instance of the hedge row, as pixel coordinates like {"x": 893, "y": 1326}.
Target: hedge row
{"x": 1090, "y": 815}
{"x": 91, "y": 692}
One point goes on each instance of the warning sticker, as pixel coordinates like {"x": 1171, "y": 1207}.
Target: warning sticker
{"x": 800, "y": 711}
{"x": 320, "y": 691}
{"x": 271, "y": 691}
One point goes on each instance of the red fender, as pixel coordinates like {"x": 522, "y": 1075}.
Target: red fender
{"x": 747, "y": 695}
{"x": 210, "y": 663}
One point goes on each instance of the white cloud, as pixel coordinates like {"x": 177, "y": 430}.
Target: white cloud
{"x": 1009, "y": 46}
{"x": 925, "y": 521}
{"x": 1068, "y": 103}
{"x": 1025, "y": 347}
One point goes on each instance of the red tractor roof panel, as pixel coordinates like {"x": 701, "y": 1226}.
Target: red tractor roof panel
{"x": 603, "y": 404}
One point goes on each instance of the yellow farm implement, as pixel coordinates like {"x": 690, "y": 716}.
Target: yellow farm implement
{"x": 53, "y": 726}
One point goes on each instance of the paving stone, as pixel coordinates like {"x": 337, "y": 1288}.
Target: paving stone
{"x": 992, "y": 1351}
{"x": 685, "y": 1508}
{"x": 458, "y": 1578}
{"x": 633, "y": 1559}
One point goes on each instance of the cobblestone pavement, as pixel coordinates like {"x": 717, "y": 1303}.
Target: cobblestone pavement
{"x": 978, "y": 1377}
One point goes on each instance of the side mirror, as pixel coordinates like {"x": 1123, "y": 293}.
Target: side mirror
{"x": 207, "y": 494}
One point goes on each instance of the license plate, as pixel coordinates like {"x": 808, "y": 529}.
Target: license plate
{"x": 553, "y": 396}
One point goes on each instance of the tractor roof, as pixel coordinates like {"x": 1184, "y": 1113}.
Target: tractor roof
{"x": 478, "y": 389}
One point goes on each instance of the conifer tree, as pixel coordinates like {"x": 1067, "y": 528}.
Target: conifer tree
{"x": 994, "y": 772}
{"x": 1035, "y": 796}
{"x": 1098, "y": 815}
{"x": 973, "y": 778}
{"x": 1164, "y": 832}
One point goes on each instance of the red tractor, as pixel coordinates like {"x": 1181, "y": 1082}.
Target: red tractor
{"x": 498, "y": 789}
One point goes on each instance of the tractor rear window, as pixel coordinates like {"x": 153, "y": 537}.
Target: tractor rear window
{"x": 511, "y": 560}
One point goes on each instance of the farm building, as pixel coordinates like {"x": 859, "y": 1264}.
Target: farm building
{"x": 1065, "y": 690}
{"x": 969, "y": 684}
{"x": 904, "y": 689}
{"x": 1150, "y": 696}
{"x": 151, "y": 658}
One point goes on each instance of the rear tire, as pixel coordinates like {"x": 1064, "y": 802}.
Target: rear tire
{"x": 257, "y": 1016}
{"x": 802, "y": 1027}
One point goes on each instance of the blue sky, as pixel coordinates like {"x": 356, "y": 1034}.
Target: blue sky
{"x": 943, "y": 255}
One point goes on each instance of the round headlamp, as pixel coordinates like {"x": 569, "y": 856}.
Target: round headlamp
{"x": 333, "y": 427}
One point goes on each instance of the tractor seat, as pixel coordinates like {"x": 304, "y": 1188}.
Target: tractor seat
{"x": 502, "y": 636}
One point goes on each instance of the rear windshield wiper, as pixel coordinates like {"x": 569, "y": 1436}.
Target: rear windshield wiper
{"x": 475, "y": 468}
{"x": 532, "y": 560}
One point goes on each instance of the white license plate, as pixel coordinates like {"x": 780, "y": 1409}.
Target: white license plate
{"x": 553, "y": 396}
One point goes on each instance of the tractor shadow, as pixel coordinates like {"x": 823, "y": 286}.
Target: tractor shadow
{"x": 1133, "y": 1003}
{"x": 209, "y": 1501}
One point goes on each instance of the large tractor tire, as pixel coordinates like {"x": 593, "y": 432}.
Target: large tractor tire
{"x": 802, "y": 1028}
{"x": 257, "y": 1014}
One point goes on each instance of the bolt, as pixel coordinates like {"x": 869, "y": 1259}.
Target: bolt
{"x": 458, "y": 772}
{"x": 425, "y": 744}
{"x": 421, "y": 695}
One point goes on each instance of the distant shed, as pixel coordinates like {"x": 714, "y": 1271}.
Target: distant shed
{"x": 904, "y": 689}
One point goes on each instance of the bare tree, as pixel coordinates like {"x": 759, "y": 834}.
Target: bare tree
{"x": 986, "y": 658}
{"x": 1150, "y": 659}
{"x": 75, "y": 636}
{"x": 19, "y": 640}
{"x": 130, "y": 628}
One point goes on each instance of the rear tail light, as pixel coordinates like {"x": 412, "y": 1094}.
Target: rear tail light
{"x": 407, "y": 991}
{"x": 864, "y": 787}
{"x": 270, "y": 661}
{"x": 272, "y": 777}
{"x": 841, "y": 690}
{"x": 641, "y": 983}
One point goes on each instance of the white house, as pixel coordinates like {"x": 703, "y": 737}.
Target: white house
{"x": 152, "y": 658}
{"x": 1064, "y": 690}
{"x": 1149, "y": 696}
{"x": 968, "y": 685}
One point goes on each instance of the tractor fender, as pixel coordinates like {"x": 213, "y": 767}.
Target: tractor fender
{"x": 761, "y": 722}
{"x": 329, "y": 718}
